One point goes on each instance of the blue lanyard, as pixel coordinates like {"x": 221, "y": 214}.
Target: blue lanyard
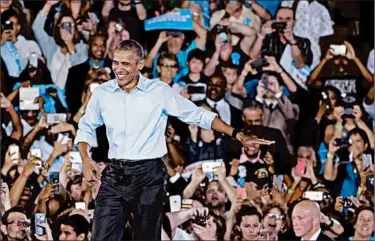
{"x": 14, "y": 52}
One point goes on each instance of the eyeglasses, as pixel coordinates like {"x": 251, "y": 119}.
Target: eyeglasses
{"x": 20, "y": 223}
{"x": 174, "y": 66}
{"x": 277, "y": 216}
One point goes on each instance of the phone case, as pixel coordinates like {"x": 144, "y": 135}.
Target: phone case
{"x": 300, "y": 168}
{"x": 175, "y": 203}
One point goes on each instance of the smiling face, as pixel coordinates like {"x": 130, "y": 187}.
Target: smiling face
{"x": 126, "y": 65}
{"x": 364, "y": 226}
{"x": 250, "y": 227}
{"x": 98, "y": 48}
{"x": 358, "y": 146}
{"x": 251, "y": 149}
{"x": 216, "y": 88}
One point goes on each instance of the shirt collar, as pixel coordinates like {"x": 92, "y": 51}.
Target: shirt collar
{"x": 315, "y": 236}
{"x": 212, "y": 103}
{"x": 100, "y": 64}
{"x": 113, "y": 86}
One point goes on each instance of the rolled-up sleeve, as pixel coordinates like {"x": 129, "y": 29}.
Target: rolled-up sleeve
{"x": 185, "y": 110}
{"x": 91, "y": 120}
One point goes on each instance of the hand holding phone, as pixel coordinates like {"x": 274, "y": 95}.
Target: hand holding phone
{"x": 76, "y": 160}
{"x": 210, "y": 166}
{"x": 313, "y": 195}
{"x": 40, "y": 219}
{"x": 80, "y": 205}
{"x": 14, "y": 153}
{"x": 338, "y": 49}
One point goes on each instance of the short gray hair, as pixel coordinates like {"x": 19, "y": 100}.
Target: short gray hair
{"x": 131, "y": 45}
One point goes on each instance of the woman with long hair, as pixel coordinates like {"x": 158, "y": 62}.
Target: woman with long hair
{"x": 64, "y": 49}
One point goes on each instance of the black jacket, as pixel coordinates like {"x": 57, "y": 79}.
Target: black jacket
{"x": 323, "y": 237}
{"x": 75, "y": 84}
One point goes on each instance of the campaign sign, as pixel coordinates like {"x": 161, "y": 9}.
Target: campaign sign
{"x": 179, "y": 20}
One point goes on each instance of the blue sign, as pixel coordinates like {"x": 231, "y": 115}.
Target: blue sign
{"x": 179, "y": 20}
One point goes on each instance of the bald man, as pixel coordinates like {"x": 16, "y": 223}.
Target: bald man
{"x": 306, "y": 221}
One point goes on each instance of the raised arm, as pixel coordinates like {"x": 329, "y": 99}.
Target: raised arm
{"x": 330, "y": 168}
{"x": 209, "y": 70}
{"x": 259, "y": 10}
{"x": 256, "y": 49}
{"x": 196, "y": 178}
{"x": 163, "y": 37}
{"x": 201, "y": 32}
{"x": 46, "y": 42}
{"x": 107, "y": 6}
{"x": 350, "y": 54}
{"x": 141, "y": 11}
{"x": 316, "y": 72}
{"x": 248, "y": 32}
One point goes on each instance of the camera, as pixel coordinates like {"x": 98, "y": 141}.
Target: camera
{"x": 67, "y": 26}
{"x": 343, "y": 143}
{"x": 259, "y": 63}
{"x": 347, "y": 203}
{"x": 222, "y": 29}
{"x": 278, "y": 26}
{"x": 8, "y": 25}
{"x": 201, "y": 220}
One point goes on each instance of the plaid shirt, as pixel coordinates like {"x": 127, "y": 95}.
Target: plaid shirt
{"x": 272, "y": 46}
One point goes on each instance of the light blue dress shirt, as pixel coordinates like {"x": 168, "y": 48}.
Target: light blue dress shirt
{"x": 136, "y": 121}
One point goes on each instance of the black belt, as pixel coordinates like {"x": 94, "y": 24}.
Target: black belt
{"x": 127, "y": 163}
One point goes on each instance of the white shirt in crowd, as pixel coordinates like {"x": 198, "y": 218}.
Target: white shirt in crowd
{"x": 315, "y": 236}
{"x": 222, "y": 108}
{"x": 313, "y": 21}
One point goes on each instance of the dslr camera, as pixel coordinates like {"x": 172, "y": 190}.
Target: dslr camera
{"x": 278, "y": 26}
{"x": 347, "y": 203}
{"x": 343, "y": 142}
{"x": 8, "y": 25}
{"x": 200, "y": 220}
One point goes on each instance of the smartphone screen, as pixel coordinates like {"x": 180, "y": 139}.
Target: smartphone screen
{"x": 14, "y": 152}
{"x": 80, "y": 205}
{"x": 40, "y": 218}
{"x": 76, "y": 160}
{"x": 313, "y": 195}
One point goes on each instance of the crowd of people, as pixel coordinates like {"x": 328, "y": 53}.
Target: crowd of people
{"x": 259, "y": 65}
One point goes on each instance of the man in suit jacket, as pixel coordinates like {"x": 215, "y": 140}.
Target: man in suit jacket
{"x": 252, "y": 116}
{"x": 215, "y": 101}
{"x": 306, "y": 221}
{"x": 80, "y": 75}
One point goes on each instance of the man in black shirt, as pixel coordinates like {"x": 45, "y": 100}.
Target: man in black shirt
{"x": 276, "y": 34}
{"x": 131, "y": 15}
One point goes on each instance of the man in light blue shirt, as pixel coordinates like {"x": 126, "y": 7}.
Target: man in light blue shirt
{"x": 135, "y": 111}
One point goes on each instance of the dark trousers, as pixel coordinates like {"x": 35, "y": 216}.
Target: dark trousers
{"x": 130, "y": 187}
